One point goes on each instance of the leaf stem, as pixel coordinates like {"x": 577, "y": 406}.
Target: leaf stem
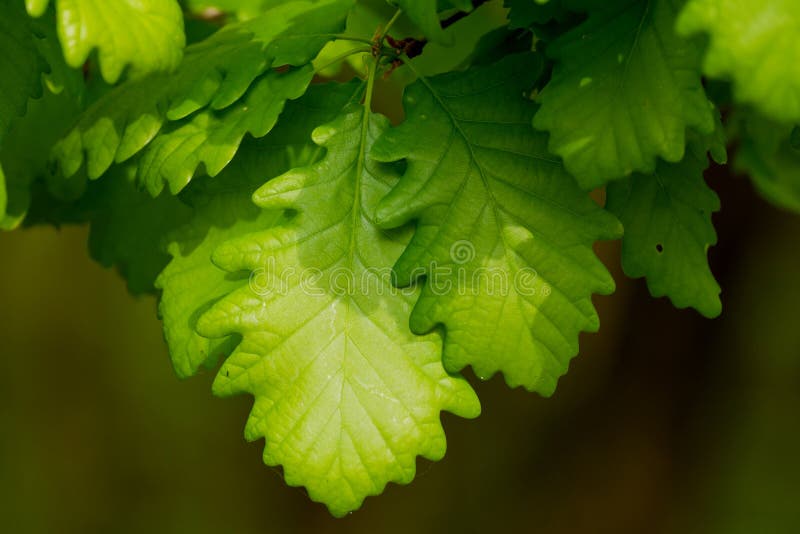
{"x": 353, "y": 38}
{"x": 373, "y": 71}
{"x": 362, "y": 153}
{"x": 341, "y": 57}
{"x": 389, "y": 25}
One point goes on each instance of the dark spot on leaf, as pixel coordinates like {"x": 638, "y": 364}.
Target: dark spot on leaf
{"x": 660, "y": 248}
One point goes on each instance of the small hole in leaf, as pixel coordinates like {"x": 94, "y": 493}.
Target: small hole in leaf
{"x": 660, "y": 248}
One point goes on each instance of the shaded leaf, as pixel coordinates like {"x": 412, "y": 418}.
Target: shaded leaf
{"x": 345, "y": 395}
{"x": 503, "y": 233}
{"x": 223, "y": 209}
{"x": 215, "y": 74}
{"x": 624, "y": 90}
{"x": 668, "y": 230}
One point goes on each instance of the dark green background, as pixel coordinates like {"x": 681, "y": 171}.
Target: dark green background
{"x": 666, "y": 423}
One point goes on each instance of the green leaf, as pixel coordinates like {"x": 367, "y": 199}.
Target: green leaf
{"x": 767, "y": 155}
{"x": 191, "y": 283}
{"x": 499, "y": 43}
{"x": 668, "y": 230}
{"x": 345, "y": 395}
{"x": 624, "y": 90}
{"x": 527, "y": 13}
{"x": 467, "y": 35}
{"x": 60, "y": 76}
{"x": 223, "y": 210}
{"x": 128, "y": 228}
{"x": 22, "y": 150}
{"x": 212, "y": 138}
{"x": 503, "y": 234}
{"x": 425, "y": 14}
{"x": 144, "y": 35}
{"x": 21, "y": 65}
{"x": 215, "y": 74}
{"x": 754, "y": 44}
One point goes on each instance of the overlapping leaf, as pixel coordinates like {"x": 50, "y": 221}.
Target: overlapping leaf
{"x": 503, "y": 234}
{"x": 191, "y": 283}
{"x": 21, "y": 65}
{"x": 425, "y": 14}
{"x": 128, "y": 228}
{"x": 345, "y": 395}
{"x": 214, "y": 75}
{"x": 624, "y": 90}
{"x": 60, "y": 77}
{"x": 753, "y": 43}
{"x": 668, "y": 230}
{"x": 23, "y": 150}
{"x": 212, "y": 138}
{"x": 142, "y": 35}
{"x": 21, "y": 68}
{"x": 223, "y": 210}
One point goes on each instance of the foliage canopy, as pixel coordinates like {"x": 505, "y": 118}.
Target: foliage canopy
{"x": 234, "y": 158}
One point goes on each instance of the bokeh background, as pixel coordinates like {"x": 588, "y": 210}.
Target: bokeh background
{"x": 666, "y": 423}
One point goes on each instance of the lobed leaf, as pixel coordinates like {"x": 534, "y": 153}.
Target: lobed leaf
{"x": 668, "y": 231}
{"x": 624, "y": 90}
{"x": 214, "y": 75}
{"x": 128, "y": 228}
{"x": 21, "y": 65}
{"x": 425, "y": 14}
{"x": 21, "y": 68}
{"x": 223, "y": 210}
{"x": 345, "y": 395}
{"x": 504, "y": 235}
{"x": 142, "y": 35}
{"x": 212, "y": 138}
{"x": 29, "y": 136}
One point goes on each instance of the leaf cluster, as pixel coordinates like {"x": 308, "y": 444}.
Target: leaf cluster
{"x": 235, "y": 158}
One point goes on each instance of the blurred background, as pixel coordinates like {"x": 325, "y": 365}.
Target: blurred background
{"x": 666, "y": 423}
